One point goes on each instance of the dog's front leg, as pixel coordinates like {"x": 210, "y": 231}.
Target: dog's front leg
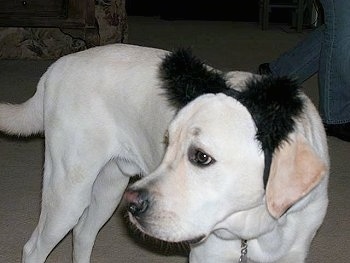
{"x": 214, "y": 250}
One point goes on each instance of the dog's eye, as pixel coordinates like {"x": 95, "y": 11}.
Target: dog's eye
{"x": 200, "y": 158}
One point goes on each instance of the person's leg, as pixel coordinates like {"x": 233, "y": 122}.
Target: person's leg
{"x": 334, "y": 74}
{"x": 303, "y": 60}
{"x": 326, "y": 51}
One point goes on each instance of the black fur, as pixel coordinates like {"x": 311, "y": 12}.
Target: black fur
{"x": 274, "y": 103}
{"x": 185, "y": 78}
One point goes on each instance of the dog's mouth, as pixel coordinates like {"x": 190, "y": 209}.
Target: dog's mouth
{"x": 139, "y": 226}
{"x": 161, "y": 245}
{"x": 196, "y": 240}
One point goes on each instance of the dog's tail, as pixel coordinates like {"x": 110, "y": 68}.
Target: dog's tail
{"x": 26, "y": 118}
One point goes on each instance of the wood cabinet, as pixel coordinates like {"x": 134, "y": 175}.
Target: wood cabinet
{"x": 75, "y": 16}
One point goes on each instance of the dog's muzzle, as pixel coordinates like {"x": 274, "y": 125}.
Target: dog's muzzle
{"x": 139, "y": 205}
{"x": 137, "y": 201}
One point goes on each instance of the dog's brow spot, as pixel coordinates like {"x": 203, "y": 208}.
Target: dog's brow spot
{"x": 196, "y": 131}
{"x": 170, "y": 167}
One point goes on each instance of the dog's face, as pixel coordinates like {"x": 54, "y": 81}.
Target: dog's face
{"x": 212, "y": 168}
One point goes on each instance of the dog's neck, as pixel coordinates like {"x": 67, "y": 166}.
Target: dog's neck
{"x": 258, "y": 227}
{"x": 246, "y": 225}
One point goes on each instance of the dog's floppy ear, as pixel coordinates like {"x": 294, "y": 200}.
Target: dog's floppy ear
{"x": 184, "y": 78}
{"x": 295, "y": 170}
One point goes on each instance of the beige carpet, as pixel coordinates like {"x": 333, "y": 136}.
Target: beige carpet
{"x": 224, "y": 45}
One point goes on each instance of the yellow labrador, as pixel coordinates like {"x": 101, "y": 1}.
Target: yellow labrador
{"x": 104, "y": 113}
{"x": 244, "y": 177}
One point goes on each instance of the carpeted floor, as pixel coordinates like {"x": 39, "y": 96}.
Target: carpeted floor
{"x": 224, "y": 45}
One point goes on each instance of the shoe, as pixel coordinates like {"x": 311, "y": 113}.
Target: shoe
{"x": 341, "y": 131}
{"x": 264, "y": 69}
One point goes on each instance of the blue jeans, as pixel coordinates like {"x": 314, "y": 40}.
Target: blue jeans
{"x": 325, "y": 50}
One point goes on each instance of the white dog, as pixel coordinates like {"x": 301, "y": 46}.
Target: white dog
{"x": 104, "y": 113}
{"x": 245, "y": 172}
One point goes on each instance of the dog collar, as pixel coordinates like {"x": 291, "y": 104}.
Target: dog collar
{"x": 244, "y": 250}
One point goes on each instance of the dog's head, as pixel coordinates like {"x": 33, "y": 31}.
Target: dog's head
{"x": 228, "y": 151}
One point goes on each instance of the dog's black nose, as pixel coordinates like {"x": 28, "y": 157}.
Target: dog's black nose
{"x": 137, "y": 201}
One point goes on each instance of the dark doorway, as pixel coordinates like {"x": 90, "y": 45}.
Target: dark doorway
{"x": 247, "y": 10}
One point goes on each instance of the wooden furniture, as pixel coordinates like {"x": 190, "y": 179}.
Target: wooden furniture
{"x": 265, "y": 7}
{"x": 76, "y": 17}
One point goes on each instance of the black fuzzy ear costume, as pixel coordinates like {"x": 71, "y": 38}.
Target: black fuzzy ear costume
{"x": 273, "y": 102}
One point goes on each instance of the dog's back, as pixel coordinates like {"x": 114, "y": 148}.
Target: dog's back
{"x": 121, "y": 77}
